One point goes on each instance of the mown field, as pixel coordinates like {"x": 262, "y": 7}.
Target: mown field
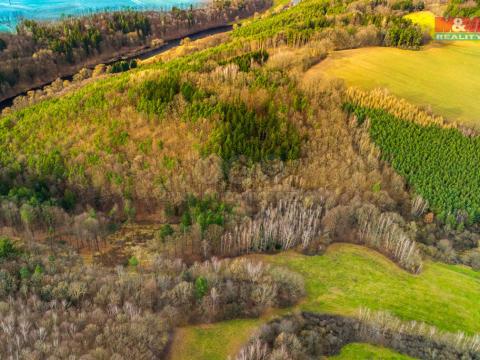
{"x": 345, "y": 279}
{"x": 441, "y": 76}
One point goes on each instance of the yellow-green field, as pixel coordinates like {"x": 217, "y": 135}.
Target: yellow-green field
{"x": 444, "y": 76}
{"x": 368, "y": 352}
{"x": 212, "y": 341}
{"x": 342, "y": 281}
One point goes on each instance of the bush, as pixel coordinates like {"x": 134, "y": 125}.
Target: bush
{"x": 7, "y": 249}
{"x": 165, "y": 231}
{"x": 404, "y": 34}
{"x": 201, "y": 287}
{"x": 133, "y": 261}
{"x": 24, "y": 273}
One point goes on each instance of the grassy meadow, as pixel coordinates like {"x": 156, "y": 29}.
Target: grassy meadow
{"x": 367, "y": 351}
{"x": 345, "y": 279}
{"x": 212, "y": 341}
{"x": 442, "y": 76}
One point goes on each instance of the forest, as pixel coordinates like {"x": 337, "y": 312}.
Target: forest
{"x": 40, "y": 52}
{"x": 440, "y": 164}
{"x": 227, "y": 187}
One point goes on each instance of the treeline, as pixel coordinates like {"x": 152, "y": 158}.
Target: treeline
{"x": 40, "y": 52}
{"x": 310, "y": 336}
{"x": 308, "y": 19}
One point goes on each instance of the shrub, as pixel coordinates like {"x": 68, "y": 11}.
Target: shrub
{"x": 7, "y": 249}
{"x": 38, "y": 270}
{"x": 186, "y": 221}
{"x": 7, "y": 283}
{"x": 475, "y": 261}
{"x": 133, "y": 261}
{"x": 166, "y": 231}
{"x": 24, "y": 273}
{"x": 403, "y": 33}
{"x": 201, "y": 287}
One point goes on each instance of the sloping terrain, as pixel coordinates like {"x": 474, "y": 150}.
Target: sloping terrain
{"x": 441, "y": 77}
{"x": 229, "y": 182}
{"x": 346, "y": 279}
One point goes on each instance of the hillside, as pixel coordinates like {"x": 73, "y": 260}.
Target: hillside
{"x": 419, "y": 77}
{"x": 233, "y": 196}
{"x": 346, "y": 279}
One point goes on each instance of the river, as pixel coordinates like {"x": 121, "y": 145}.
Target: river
{"x": 12, "y": 11}
{"x": 142, "y": 56}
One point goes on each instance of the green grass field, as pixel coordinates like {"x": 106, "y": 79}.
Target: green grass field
{"x": 443, "y": 76}
{"x": 367, "y": 352}
{"x": 212, "y": 341}
{"x": 342, "y": 281}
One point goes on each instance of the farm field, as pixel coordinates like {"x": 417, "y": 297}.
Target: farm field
{"x": 442, "y": 77}
{"x": 345, "y": 279}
